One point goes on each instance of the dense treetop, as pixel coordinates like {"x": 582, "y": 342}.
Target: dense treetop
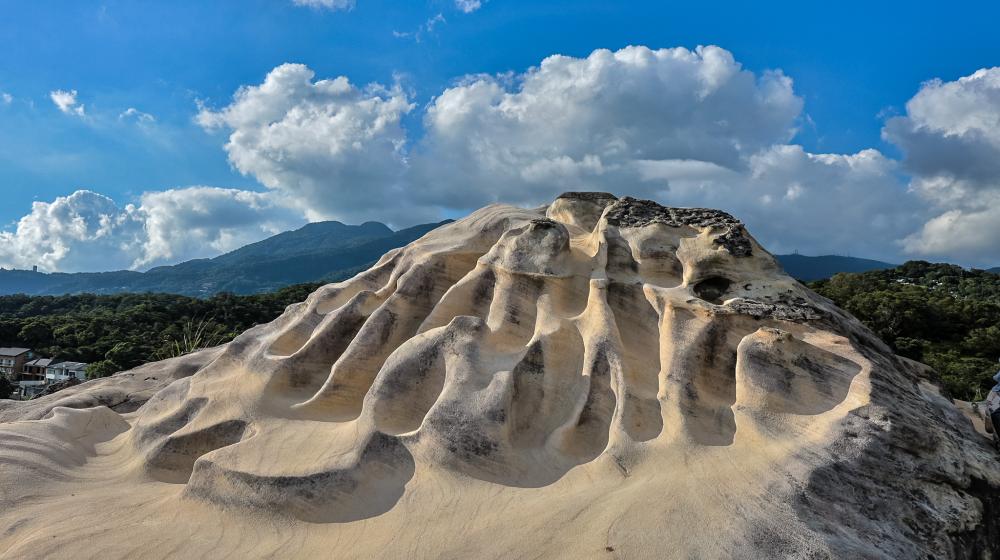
{"x": 118, "y": 332}
{"x": 939, "y": 314}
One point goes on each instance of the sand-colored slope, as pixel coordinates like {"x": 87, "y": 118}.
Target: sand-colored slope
{"x": 596, "y": 378}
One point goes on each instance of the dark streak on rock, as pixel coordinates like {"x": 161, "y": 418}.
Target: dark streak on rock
{"x": 591, "y": 196}
{"x": 787, "y": 311}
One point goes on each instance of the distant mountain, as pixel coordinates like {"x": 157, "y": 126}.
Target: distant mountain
{"x": 806, "y": 268}
{"x": 995, "y": 270}
{"x": 321, "y": 251}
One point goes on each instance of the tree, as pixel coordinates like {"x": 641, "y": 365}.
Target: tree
{"x": 119, "y": 332}
{"x": 36, "y": 332}
{"x": 103, "y": 368}
{"x": 940, "y": 314}
{"x": 6, "y": 388}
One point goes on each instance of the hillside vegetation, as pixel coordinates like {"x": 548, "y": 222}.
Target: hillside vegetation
{"x": 939, "y": 314}
{"x": 117, "y": 332}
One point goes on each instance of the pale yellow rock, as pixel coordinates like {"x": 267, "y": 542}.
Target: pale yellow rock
{"x": 598, "y": 378}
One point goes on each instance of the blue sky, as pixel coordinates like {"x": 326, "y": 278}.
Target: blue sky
{"x": 853, "y": 65}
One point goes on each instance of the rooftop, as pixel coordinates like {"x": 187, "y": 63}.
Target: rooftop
{"x": 69, "y": 365}
{"x": 40, "y": 362}
{"x": 13, "y": 351}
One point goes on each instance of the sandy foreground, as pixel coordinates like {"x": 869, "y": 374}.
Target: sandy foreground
{"x": 597, "y": 378}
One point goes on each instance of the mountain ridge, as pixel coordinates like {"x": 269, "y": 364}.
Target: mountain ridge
{"x": 808, "y": 268}
{"x": 319, "y": 251}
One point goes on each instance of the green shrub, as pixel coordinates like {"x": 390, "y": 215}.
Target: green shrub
{"x": 119, "y": 332}
{"x": 940, "y": 314}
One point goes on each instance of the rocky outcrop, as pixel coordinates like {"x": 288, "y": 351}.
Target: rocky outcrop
{"x": 600, "y": 377}
{"x": 123, "y": 393}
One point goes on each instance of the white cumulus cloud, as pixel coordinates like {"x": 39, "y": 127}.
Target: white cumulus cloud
{"x": 950, "y": 136}
{"x": 197, "y": 222}
{"x": 792, "y": 199}
{"x": 822, "y": 203}
{"x": 336, "y": 150}
{"x": 598, "y": 123}
{"x": 82, "y": 231}
{"x": 686, "y": 127}
{"x": 87, "y": 231}
{"x": 67, "y": 103}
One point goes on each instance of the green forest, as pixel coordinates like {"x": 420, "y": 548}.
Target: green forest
{"x": 113, "y": 333}
{"x": 939, "y": 314}
{"x": 942, "y": 315}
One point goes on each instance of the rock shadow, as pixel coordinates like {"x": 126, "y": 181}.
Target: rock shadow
{"x": 358, "y": 486}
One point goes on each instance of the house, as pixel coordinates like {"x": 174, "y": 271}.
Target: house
{"x": 37, "y": 366}
{"x": 32, "y": 377}
{"x": 12, "y": 360}
{"x": 62, "y": 371}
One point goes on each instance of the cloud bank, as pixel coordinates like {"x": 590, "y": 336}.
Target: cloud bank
{"x": 686, "y": 127}
{"x": 87, "y": 231}
{"x": 951, "y": 139}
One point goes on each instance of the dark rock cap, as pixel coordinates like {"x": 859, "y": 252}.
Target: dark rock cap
{"x": 588, "y": 195}
{"x": 632, "y": 212}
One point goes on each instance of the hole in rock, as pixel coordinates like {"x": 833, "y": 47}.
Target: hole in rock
{"x": 712, "y": 289}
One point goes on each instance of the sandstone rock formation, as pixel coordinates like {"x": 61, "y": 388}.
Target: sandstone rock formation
{"x": 598, "y": 378}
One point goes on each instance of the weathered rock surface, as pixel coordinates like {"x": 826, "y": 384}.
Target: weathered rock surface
{"x": 123, "y": 393}
{"x": 601, "y": 377}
